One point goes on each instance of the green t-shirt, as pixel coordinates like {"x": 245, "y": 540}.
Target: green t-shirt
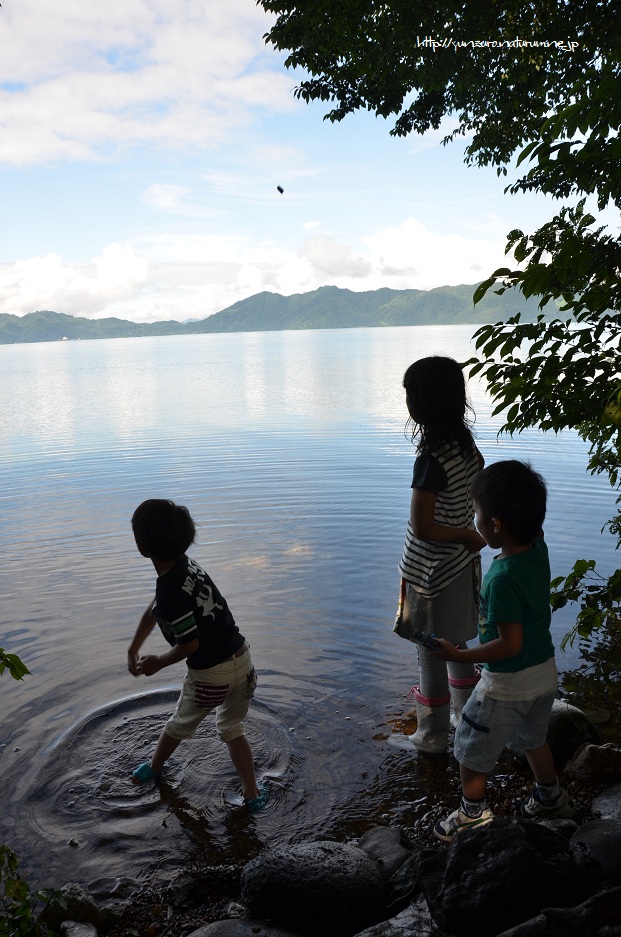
{"x": 517, "y": 589}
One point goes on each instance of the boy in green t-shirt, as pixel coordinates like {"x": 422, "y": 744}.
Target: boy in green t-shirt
{"x": 513, "y": 699}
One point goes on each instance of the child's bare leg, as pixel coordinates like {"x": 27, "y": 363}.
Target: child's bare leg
{"x": 166, "y": 745}
{"x": 542, "y": 764}
{"x": 473, "y": 783}
{"x": 243, "y": 762}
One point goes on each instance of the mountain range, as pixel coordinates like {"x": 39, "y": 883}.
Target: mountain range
{"x": 328, "y": 307}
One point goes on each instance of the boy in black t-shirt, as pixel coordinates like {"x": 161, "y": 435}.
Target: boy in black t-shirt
{"x": 196, "y": 621}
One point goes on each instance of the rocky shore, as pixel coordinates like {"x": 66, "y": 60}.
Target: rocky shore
{"x": 510, "y": 878}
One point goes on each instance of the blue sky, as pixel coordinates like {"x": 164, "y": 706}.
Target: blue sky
{"x": 141, "y": 146}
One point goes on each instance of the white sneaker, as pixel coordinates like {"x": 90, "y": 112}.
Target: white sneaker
{"x": 562, "y": 808}
{"x": 458, "y": 821}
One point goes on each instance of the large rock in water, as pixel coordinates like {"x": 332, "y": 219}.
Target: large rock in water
{"x": 595, "y": 764}
{"x": 596, "y": 849}
{"x": 332, "y": 889}
{"x": 500, "y": 875}
{"x": 607, "y": 805}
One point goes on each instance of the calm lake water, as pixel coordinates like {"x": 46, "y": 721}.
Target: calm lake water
{"x": 289, "y": 450}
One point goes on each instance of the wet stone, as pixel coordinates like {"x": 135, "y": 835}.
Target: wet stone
{"x": 469, "y": 890}
{"x": 326, "y": 888}
{"x": 596, "y": 848}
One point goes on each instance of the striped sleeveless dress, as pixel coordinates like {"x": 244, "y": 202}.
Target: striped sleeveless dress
{"x": 430, "y": 567}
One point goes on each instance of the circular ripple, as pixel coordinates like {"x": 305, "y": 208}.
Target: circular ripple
{"x": 80, "y": 817}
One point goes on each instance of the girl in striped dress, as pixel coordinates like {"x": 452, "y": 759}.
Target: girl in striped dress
{"x": 440, "y": 566}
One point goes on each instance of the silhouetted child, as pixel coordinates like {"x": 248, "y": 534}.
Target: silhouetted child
{"x": 513, "y": 700}
{"x": 440, "y": 566}
{"x": 196, "y": 621}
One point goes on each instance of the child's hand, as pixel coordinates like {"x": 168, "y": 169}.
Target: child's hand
{"x": 446, "y": 651}
{"x": 149, "y": 665}
{"x": 132, "y": 663}
{"x": 474, "y": 541}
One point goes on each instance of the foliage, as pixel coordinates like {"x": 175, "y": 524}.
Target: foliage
{"x": 20, "y": 908}
{"x": 596, "y": 681}
{"x": 17, "y": 668}
{"x": 501, "y": 68}
{"x": 566, "y": 373}
{"x": 600, "y": 600}
{"x": 547, "y": 109}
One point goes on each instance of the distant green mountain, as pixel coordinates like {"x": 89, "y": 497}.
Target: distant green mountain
{"x": 326, "y": 308}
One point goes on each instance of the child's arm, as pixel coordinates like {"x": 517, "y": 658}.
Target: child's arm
{"x": 145, "y": 627}
{"x": 506, "y": 645}
{"x": 424, "y": 526}
{"x": 153, "y": 662}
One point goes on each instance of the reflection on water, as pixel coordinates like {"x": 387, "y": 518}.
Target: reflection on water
{"x": 289, "y": 450}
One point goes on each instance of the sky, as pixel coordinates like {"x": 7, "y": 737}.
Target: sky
{"x": 142, "y": 144}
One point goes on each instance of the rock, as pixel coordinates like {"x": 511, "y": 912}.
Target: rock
{"x": 596, "y": 849}
{"x": 595, "y": 764}
{"x": 413, "y": 921}
{"x": 78, "y": 906}
{"x": 74, "y": 929}
{"x": 608, "y": 803}
{"x": 383, "y": 843}
{"x": 405, "y": 883}
{"x": 237, "y": 928}
{"x": 498, "y": 876}
{"x": 326, "y": 888}
{"x": 561, "y": 825}
{"x": 598, "y": 916}
{"x": 569, "y": 728}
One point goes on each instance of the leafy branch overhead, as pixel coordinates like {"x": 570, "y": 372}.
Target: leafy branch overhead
{"x": 535, "y": 90}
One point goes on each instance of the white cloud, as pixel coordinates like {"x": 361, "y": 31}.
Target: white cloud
{"x": 118, "y": 274}
{"x": 181, "y": 277}
{"x": 329, "y": 259}
{"x": 80, "y": 80}
{"x": 175, "y": 199}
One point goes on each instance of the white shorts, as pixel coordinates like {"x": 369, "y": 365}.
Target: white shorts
{"x": 487, "y": 725}
{"x": 226, "y": 688}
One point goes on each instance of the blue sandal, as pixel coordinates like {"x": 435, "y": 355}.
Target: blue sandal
{"x": 145, "y": 772}
{"x": 258, "y": 803}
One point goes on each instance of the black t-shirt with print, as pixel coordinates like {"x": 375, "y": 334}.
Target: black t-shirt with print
{"x": 189, "y": 605}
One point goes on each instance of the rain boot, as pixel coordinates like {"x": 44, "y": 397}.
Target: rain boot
{"x": 460, "y": 690}
{"x": 432, "y": 719}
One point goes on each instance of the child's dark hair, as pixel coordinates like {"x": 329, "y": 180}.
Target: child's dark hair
{"x": 514, "y": 493}
{"x": 163, "y": 530}
{"x": 436, "y": 398}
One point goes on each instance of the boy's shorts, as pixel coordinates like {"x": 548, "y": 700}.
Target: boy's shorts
{"x": 228, "y": 688}
{"x": 487, "y": 725}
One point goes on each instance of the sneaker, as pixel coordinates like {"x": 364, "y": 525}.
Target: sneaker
{"x": 145, "y": 772}
{"x": 458, "y": 821}
{"x": 561, "y": 808}
{"x": 255, "y": 804}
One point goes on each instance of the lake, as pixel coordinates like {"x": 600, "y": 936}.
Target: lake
{"x": 289, "y": 450}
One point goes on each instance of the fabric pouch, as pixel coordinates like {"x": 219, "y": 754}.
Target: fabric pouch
{"x": 404, "y": 625}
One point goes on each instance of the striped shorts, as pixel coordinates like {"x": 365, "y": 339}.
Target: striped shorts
{"x": 226, "y": 688}
{"x": 487, "y": 725}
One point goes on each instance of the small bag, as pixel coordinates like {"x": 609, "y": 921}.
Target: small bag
{"x": 403, "y": 625}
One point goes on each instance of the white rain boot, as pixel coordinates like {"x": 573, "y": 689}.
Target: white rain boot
{"x": 432, "y": 719}
{"x": 461, "y": 691}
